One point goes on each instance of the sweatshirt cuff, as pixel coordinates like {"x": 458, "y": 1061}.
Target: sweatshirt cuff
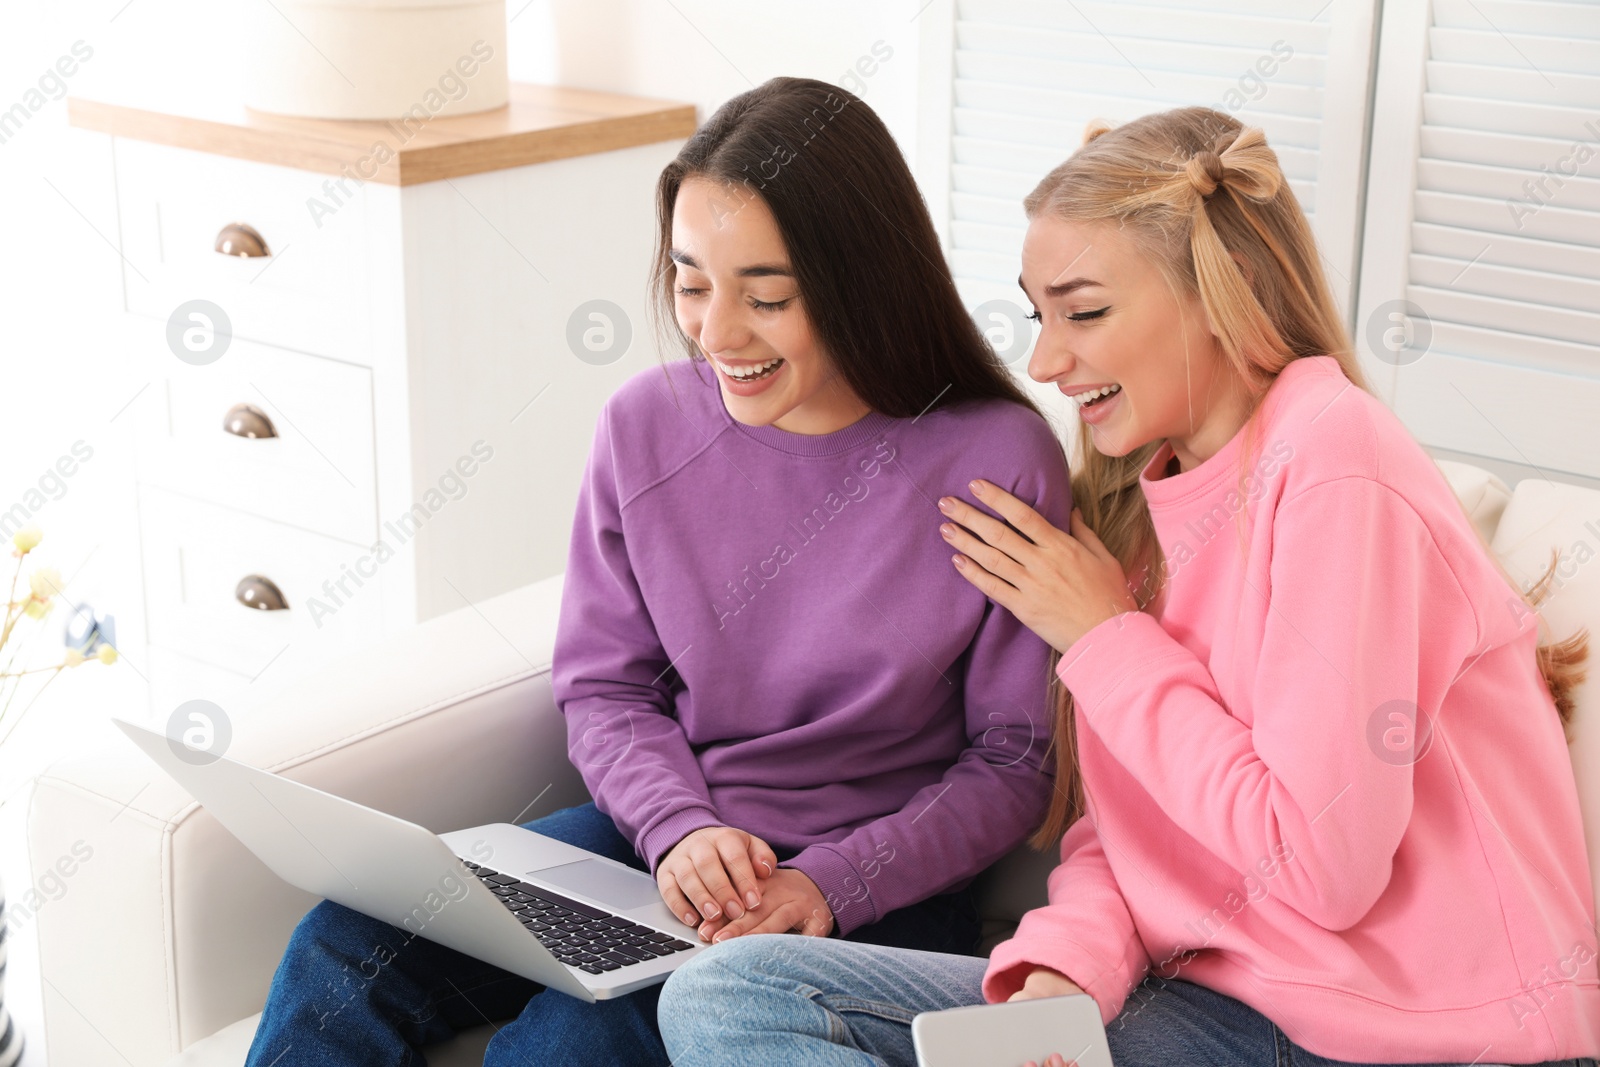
{"x": 1112, "y": 652}
{"x": 1012, "y": 961}
{"x": 836, "y": 877}
{"x": 657, "y": 841}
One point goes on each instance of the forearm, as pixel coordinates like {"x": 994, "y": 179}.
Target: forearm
{"x": 948, "y": 833}
{"x": 640, "y": 770}
{"x": 1085, "y": 933}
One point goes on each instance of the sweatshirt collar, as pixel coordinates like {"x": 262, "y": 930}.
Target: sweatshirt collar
{"x": 865, "y": 429}
{"x": 1177, "y": 489}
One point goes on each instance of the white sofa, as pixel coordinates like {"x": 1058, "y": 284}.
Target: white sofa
{"x": 162, "y": 947}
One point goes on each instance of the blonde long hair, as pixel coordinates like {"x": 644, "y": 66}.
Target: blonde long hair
{"x": 1193, "y": 188}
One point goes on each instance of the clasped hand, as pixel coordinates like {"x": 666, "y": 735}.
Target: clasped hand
{"x": 727, "y": 882}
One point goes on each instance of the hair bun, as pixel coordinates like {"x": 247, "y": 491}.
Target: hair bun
{"x": 1206, "y": 172}
{"x": 1094, "y": 128}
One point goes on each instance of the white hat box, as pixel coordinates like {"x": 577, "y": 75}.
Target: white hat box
{"x": 376, "y": 59}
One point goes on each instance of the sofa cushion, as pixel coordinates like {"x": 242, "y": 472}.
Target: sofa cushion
{"x": 229, "y": 1046}
{"x": 1543, "y": 515}
{"x": 1483, "y": 495}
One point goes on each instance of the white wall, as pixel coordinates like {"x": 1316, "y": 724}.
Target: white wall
{"x": 705, "y": 51}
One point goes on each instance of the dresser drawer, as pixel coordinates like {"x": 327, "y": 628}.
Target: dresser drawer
{"x": 195, "y": 555}
{"x": 318, "y": 471}
{"x": 309, "y": 294}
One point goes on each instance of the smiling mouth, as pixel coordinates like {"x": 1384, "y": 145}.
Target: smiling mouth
{"x": 765, "y": 370}
{"x": 1097, "y": 396}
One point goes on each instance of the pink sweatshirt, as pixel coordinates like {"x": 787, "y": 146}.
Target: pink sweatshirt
{"x": 1263, "y": 818}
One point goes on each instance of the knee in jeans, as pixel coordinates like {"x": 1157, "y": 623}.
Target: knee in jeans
{"x": 721, "y": 976}
{"x": 706, "y": 999}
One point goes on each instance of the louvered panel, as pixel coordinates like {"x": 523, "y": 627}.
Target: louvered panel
{"x": 1522, "y": 84}
{"x": 1077, "y": 108}
{"x": 1510, "y": 315}
{"x": 1503, "y": 183}
{"x": 1006, "y": 126}
{"x": 986, "y": 238}
{"x": 1086, "y": 78}
{"x": 1510, "y": 283}
{"x": 988, "y": 210}
{"x": 1505, "y": 251}
{"x": 1227, "y": 60}
{"x": 970, "y": 264}
{"x": 1034, "y": 160}
{"x": 1161, "y": 22}
{"x": 1547, "y": 19}
{"x": 988, "y": 182}
{"x": 1495, "y": 346}
{"x": 1493, "y": 230}
{"x": 1495, "y": 49}
{"x": 1525, "y": 119}
{"x": 1492, "y": 217}
{"x": 1475, "y": 145}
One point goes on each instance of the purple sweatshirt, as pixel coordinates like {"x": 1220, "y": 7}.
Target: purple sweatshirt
{"x": 763, "y": 630}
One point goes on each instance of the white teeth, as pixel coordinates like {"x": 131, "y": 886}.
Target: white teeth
{"x": 1083, "y": 398}
{"x": 748, "y": 372}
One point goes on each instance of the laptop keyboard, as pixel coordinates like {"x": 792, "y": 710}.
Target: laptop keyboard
{"x": 578, "y": 935}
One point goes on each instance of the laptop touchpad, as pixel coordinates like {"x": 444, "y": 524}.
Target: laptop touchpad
{"x": 601, "y": 881}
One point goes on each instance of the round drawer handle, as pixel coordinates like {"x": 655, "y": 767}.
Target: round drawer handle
{"x": 241, "y": 239}
{"x": 247, "y": 420}
{"x": 261, "y": 593}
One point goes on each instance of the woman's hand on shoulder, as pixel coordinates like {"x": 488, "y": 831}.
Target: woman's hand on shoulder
{"x": 791, "y": 903}
{"x": 1059, "y": 584}
{"x": 715, "y": 873}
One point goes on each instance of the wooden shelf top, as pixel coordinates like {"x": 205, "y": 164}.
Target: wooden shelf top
{"x": 540, "y": 123}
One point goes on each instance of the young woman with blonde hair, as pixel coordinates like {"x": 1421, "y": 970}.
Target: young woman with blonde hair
{"x": 1315, "y": 794}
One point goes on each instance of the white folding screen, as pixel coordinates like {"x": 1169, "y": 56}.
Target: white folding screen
{"x": 1009, "y": 85}
{"x": 1479, "y": 308}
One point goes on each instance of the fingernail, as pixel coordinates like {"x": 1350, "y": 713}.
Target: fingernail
{"x": 975, "y": 486}
{"x": 944, "y": 503}
{"x": 710, "y": 910}
{"x": 958, "y": 561}
{"x": 947, "y": 531}
{"x": 690, "y": 918}
{"x": 753, "y": 900}
{"x": 733, "y": 909}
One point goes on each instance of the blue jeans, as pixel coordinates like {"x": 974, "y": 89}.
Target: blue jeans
{"x": 788, "y": 1000}
{"x": 353, "y": 990}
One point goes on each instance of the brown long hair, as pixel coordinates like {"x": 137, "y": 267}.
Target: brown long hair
{"x": 1193, "y": 188}
{"x": 865, "y": 255}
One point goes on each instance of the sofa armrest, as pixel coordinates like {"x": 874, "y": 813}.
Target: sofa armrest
{"x": 167, "y": 929}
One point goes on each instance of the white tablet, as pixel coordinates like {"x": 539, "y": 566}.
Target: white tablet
{"x": 1011, "y": 1034}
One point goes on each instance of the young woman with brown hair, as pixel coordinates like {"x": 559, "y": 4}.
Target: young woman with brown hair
{"x": 786, "y": 705}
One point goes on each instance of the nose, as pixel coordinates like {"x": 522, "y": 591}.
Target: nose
{"x": 722, "y": 327}
{"x": 1052, "y": 360}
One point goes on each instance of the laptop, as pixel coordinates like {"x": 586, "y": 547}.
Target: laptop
{"x": 567, "y": 918}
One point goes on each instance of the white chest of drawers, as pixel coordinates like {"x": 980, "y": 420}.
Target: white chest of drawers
{"x": 399, "y": 423}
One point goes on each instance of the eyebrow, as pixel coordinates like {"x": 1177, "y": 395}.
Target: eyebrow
{"x": 1063, "y": 288}
{"x": 759, "y": 270}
